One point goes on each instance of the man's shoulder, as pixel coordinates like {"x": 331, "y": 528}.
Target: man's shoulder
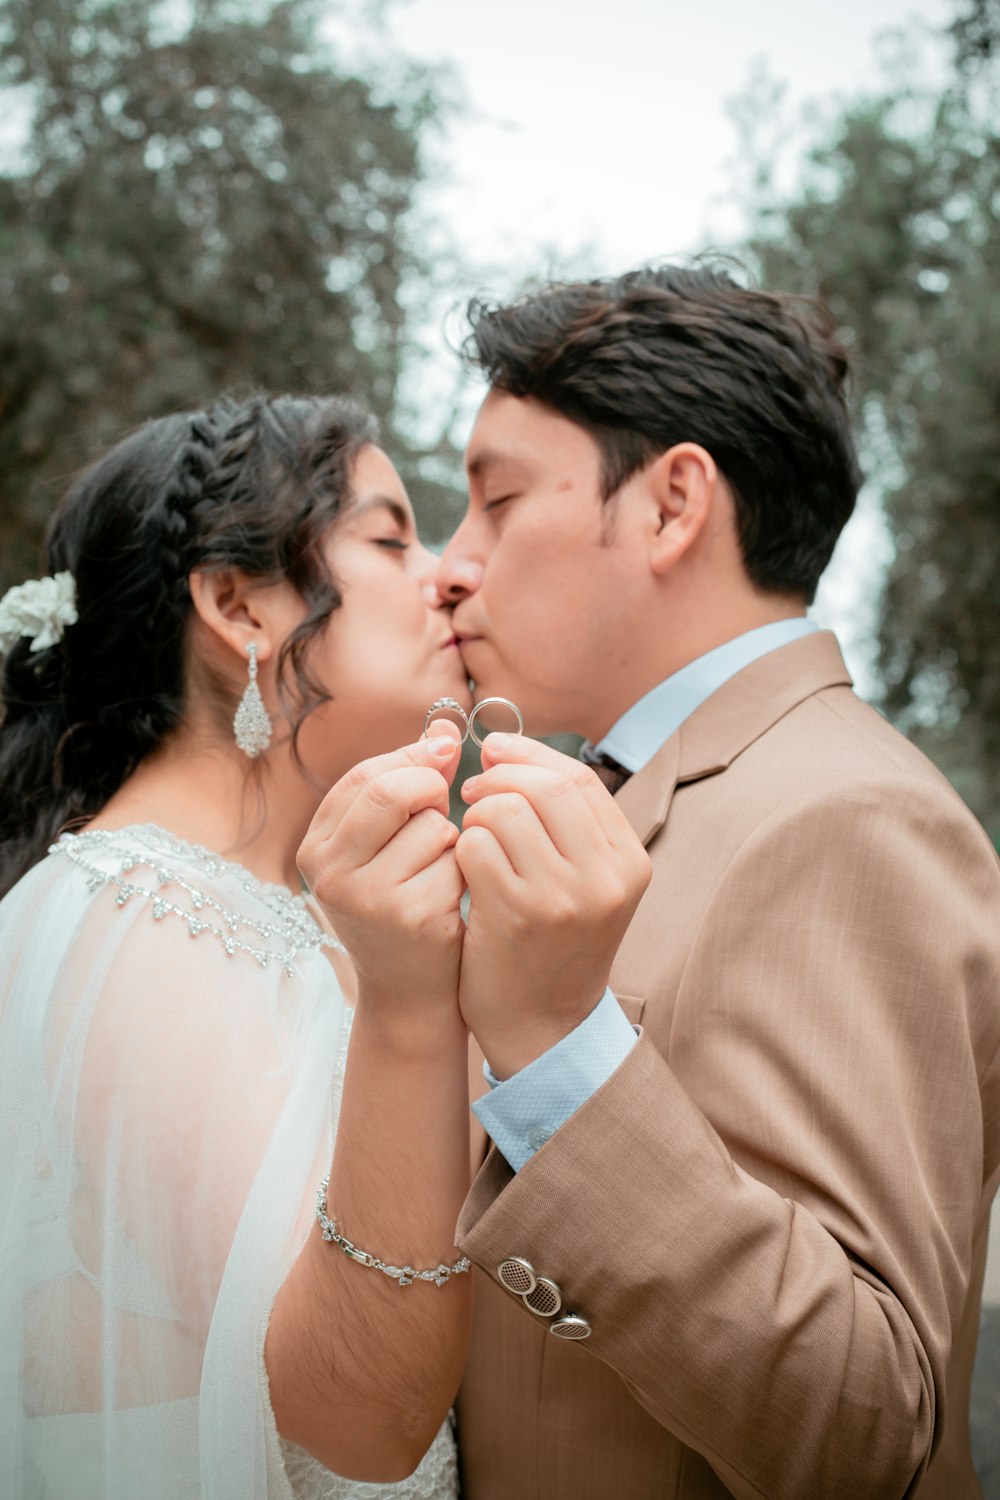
{"x": 831, "y": 759}
{"x": 834, "y": 745}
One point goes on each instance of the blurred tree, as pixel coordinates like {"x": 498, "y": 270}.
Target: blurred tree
{"x": 976, "y": 34}
{"x": 894, "y": 224}
{"x": 205, "y": 198}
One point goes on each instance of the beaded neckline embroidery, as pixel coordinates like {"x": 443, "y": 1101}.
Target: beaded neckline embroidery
{"x": 147, "y": 847}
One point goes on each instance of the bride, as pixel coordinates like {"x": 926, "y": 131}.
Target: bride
{"x": 238, "y": 617}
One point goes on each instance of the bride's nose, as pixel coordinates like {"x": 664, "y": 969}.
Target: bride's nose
{"x": 429, "y": 592}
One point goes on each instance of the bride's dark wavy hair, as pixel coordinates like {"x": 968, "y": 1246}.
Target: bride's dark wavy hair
{"x": 254, "y": 484}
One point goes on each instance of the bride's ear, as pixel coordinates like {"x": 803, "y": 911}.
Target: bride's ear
{"x": 235, "y": 610}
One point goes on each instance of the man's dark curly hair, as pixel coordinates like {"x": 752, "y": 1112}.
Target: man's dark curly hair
{"x": 686, "y": 354}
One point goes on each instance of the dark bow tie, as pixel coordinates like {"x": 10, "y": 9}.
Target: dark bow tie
{"x": 611, "y": 773}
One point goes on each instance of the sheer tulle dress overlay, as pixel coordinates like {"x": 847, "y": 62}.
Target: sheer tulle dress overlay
{"x": 172, "y": 1045}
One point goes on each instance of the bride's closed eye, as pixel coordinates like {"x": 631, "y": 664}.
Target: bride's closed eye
{"x": 395, "y": 542}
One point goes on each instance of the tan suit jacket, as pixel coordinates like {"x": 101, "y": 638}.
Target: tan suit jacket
{"x": 774, "y": 1213}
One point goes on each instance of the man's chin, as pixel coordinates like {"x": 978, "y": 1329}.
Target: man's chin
{"x": 536, "y": 725}
{"x": 536, "y": 716}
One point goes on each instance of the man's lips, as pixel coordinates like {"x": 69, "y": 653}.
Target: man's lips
{"x": 467, "y": 651}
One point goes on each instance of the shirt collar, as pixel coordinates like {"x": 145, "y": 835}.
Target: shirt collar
{"x": 648, "y": 724}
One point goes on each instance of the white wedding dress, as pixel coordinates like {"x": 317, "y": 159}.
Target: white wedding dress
{"x": 172, "y": 1047}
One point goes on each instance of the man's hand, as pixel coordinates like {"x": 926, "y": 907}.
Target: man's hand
{"x": 555, "y": 873}
{"x": 379, "y": 858}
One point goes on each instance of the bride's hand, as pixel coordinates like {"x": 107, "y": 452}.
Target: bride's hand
{"x": 378, "y": 856}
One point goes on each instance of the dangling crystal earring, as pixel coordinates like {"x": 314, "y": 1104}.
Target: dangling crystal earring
{"x": 251, "y": 726}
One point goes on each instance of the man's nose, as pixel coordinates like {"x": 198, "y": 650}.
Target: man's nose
{"x": 457, "y": 577}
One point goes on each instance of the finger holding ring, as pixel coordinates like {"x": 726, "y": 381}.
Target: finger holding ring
{"x": 443, "y": 706}
{"x": 492, "y": 703}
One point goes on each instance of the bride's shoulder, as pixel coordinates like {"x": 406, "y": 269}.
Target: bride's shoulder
{"x": 180, "y": 886}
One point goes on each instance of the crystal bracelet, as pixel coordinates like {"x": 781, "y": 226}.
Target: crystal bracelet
{"x": 405, "y": 1275}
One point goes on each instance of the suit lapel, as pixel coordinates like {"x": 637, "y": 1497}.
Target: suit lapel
{"x": 645, "y": 797}
{"x": 740, "y": 711}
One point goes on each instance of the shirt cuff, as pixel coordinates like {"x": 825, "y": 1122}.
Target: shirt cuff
{"x": 521, "y": 1113}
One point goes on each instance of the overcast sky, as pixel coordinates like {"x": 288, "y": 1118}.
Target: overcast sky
{"x": 600, "y": 132}
{"x": 602, "y": 123}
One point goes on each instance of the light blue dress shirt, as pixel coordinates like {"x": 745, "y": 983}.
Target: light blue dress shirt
{"x": 521, "y": 1113}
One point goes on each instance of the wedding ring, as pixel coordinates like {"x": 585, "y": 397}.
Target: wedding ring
{"x": 490, "y": 702}
{"x": 447, "y": 706}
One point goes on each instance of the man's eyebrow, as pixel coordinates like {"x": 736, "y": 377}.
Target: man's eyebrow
{"x": 399, "y": 513}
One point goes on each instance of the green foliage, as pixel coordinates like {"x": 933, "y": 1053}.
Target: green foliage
{"x": 201, "y": 205}
{"x": 976, "y": 34}
{"x": 894, "y": 224}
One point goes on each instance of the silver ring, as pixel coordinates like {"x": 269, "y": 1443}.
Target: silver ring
{"x": 447, "y": 706}
{"x": 485, "y": 703}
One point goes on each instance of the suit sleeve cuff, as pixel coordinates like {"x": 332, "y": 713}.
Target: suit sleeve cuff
{"x": 521, "y": 1113}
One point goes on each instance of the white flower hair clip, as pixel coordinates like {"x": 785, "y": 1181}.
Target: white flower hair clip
{"x": 40, "y": 609}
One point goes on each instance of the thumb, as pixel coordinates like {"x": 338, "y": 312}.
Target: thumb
{"x": 439, "y": 753}
{"x": 447, "y": 764}
{"x": 439, "y": 749}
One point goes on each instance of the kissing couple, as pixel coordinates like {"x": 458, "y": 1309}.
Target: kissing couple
{"x": 726, "y": 1002}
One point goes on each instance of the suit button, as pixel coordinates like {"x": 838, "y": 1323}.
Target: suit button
{"x": 571, "y": 1326}
{"x": 546, "y": 1299}
{"x": 517, "y": 1275}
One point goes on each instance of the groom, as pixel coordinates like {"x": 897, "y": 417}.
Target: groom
{"x": 732, "y": 1227}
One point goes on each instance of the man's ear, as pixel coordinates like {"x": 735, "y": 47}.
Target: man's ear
{"x": 683, "y": 482}
{"x": 236, "y": 609}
